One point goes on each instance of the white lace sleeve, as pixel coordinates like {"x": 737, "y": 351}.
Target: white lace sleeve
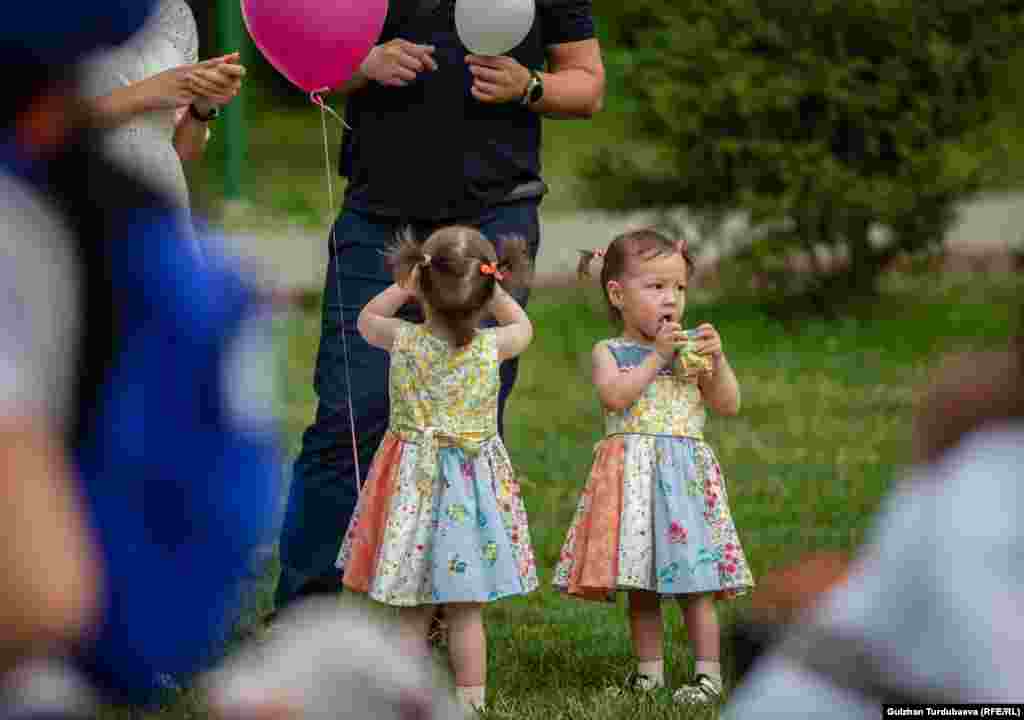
{"x": 101, "y": 73}
{"x": 176, "y": 22}
{"x": 169, "y": 38}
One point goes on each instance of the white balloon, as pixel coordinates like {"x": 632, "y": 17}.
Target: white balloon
{"x": 493, "y": 27}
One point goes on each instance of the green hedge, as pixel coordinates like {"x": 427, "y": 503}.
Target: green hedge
{"x": 823, "y": 119}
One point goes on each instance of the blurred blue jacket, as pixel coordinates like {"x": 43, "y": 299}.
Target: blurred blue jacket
{"x": 61, "y": 32}
{"x": 174, "y": 439}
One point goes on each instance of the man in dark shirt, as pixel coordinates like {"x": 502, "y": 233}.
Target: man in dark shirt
{"x": 437, "y": 136}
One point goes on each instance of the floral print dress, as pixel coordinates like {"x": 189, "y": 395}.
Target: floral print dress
{"x": 440, "y": 518}
{"x": 654, "y": 514}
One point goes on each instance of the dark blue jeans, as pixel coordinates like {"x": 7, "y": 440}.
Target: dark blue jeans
{"x": 323, "y": 491}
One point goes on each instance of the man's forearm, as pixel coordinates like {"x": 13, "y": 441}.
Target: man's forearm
{"x": 570, "y": 93}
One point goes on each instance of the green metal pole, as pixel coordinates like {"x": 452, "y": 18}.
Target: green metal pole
{"x": 230, "y": 37}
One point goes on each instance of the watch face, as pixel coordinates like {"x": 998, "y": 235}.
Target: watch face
{"x": 536, "y": 91}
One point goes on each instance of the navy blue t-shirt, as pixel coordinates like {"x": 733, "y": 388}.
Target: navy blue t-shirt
{"x": 430, "y": 150}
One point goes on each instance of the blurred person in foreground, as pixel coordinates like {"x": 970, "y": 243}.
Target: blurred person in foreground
{"x": 135, "y": 390}
{"x": 299, "y": 672}
{"x": 931, "y": 610}
{"x": 48, "y": 558}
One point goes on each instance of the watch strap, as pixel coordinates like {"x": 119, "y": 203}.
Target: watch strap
{"x": 194, "y": 112}
{"x": 531, "y": 87}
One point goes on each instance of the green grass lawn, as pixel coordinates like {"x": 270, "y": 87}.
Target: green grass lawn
{"x": 824, "y": 431}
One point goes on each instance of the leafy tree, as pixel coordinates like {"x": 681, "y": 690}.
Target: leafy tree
{"x": 822, "y": 119}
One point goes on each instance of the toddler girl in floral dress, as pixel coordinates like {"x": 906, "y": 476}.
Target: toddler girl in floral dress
{"x": 440, "y": 520}
{"x": 653, "y": 519}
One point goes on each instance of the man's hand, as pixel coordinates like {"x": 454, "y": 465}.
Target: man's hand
{"x": 397, "y": 62}
{"x": 497, "y": 79}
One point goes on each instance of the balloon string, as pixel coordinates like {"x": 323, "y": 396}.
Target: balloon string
{"x": 324, "y": 109}
{"x": 317, "y": 99}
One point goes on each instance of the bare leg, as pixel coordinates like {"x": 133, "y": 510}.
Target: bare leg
{"x": 467, "y": 652}
{"x": 645, "y": 625}
{"x": 702, "y": 627}
{"x": 412, "y": 626}
{"x": 467, "y": 643}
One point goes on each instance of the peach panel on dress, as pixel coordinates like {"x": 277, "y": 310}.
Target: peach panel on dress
{"x": 372, "y": 515}
{"x": 595, "y": 566}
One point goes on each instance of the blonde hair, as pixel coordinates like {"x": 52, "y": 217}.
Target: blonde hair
{"x": 458, "y": 272}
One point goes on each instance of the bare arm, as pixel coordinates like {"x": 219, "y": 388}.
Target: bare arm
{"x": 617, "y": 389}
{"x": 172, "y": 89}
{"x": 377, "y": 322}
{"x": 190, "y": 137}
{"x": 124, "y": 103}
{"x": 575, "y": 86}
{"x": 48, "y": 563}
{"x": 516, "y": 331}
{"x": 721, "y": 389}
{"x": 573, "y": 89}
{"x": 217, "y": 85}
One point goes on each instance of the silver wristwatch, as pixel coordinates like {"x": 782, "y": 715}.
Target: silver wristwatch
{"x": 534, "y": 89}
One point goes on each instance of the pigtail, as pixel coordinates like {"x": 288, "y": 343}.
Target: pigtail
{"x": 583, "y": 267}
{"x": 586, "y": 260}
{"x": 404, "y": 255}
{"x": 683, "y": 246}
{"x": 514, "y": 266}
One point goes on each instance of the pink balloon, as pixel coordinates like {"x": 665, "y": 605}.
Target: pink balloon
{"x": 316, "y": 44}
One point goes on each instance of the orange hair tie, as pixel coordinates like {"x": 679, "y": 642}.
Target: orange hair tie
{"x": 492, "y": 269}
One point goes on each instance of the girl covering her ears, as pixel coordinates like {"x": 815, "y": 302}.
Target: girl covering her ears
{"x": 654, "y": 519}
{"x": 440, "y": 520}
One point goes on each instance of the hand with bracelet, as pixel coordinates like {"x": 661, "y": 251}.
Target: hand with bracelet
{"x": 214, "y": 85}
{"x": 208, "y": 84}
{"x": 195, "y": 91}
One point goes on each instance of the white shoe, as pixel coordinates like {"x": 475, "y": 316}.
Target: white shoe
{"x": 469, "y": 710}
{"x": 702, "y": 691}
{"x": 637, "y": 682}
